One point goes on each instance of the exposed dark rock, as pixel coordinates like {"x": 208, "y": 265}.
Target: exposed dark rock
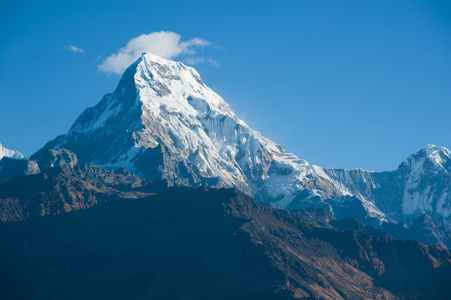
{"x": 423, "y": 229}
{"x": 66, "y": 188}
{"x": 10, "y": 167}
{"x": 51, "y": 158}
{"x": 117, "y": 241}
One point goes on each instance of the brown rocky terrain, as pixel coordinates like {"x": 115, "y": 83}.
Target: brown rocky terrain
{"x": 79, "y": 231}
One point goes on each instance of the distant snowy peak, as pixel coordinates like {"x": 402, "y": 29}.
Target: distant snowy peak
{"x": 426, "y": 176}
{"x": 10, "y": 153}
{"x": 429, "y": 158}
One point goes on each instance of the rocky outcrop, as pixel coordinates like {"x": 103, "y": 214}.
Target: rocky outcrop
{"x": 67, "y": 188}
{"x": 52, "y": 158}
{"x": 10, "y": 167}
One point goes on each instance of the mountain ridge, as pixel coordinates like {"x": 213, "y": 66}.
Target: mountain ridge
{"x": 163, "y": 123}
{"x": 181, "y": 118}
{"x": 86, "y": 232}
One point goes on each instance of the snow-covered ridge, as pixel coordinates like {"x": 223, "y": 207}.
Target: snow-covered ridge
{"x": 10, "y": 153}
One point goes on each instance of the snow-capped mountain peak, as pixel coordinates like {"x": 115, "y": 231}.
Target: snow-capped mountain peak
{"x": 179, "y": 86}
{"x": 439, "y": 156}
{"x": 427, "y": 187}
{"x": 163, "y": 122}
{"x": 10, "y": 153}
{"x": 429, "y": 159}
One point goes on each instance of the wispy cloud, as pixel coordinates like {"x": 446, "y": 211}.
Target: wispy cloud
{"x": 200, "y": 60}
{"x": 166, "y": 44}
{"x": 74, "y": 49}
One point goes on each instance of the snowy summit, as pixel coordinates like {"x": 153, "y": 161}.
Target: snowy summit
{"x": 163, "y": 122}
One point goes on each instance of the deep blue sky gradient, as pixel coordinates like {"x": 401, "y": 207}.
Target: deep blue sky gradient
{"x": 344, "y": 84}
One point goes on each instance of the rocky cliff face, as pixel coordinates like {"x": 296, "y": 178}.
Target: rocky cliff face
{"x": 10, "y": 167}
{"x": 426, "y": 175}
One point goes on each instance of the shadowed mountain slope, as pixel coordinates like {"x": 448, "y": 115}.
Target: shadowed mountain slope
{"x": 181, "y": 243}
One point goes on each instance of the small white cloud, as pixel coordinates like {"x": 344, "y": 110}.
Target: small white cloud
{"x": 200, "y": 60}
{"x": 166, "y": 44}
{"x": 74, "y": 49}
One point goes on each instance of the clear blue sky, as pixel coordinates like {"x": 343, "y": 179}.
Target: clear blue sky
{"x": 345, "y": 84}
